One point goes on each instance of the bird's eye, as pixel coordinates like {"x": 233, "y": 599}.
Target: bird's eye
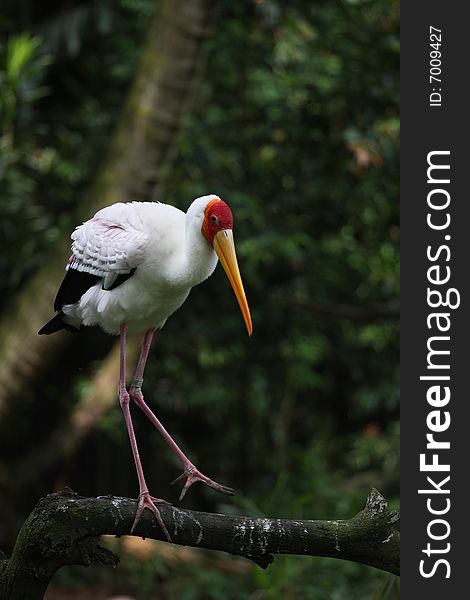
{"x": 214, "y": 219}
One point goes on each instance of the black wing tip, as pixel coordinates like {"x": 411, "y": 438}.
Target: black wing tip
{"x": 73, "y": 286}
{"x": 56, "y": 324}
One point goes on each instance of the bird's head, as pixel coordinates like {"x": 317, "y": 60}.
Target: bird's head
{"x": 217, "y": 228}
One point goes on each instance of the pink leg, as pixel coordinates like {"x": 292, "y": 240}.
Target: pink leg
{"x": 190, "y": 472}
{"x": 145, "y": 500}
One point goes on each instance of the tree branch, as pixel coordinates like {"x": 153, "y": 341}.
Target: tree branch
{"x": 64, "y": 529}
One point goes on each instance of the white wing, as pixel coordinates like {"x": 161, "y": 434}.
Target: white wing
{"x": 108, "y": 247}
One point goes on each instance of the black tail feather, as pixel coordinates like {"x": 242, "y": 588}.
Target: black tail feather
{"x": 56, "y": 324}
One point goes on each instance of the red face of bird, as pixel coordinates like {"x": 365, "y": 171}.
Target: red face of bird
{"x": 217, "y": 229}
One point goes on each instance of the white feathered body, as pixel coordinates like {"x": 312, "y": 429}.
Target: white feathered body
{"x": 161, "y": 248}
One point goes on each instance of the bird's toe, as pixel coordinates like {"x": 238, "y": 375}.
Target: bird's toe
{"x": 148, "y": 501}
{"x": 193, "y": 475}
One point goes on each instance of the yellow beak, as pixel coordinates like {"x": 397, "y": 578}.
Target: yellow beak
{"x": 225, "y": 248}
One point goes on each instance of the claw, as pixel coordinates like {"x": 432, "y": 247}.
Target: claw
{"x": 148, "y": 501}
{"x": 192, "y": 475}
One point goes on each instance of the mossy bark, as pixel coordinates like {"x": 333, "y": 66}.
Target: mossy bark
{"x": 64, "y": 529}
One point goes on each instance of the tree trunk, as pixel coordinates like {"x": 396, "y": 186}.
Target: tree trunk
{"x": 139, "y": 158}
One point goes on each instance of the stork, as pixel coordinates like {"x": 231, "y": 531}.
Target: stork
{"x": 132, "y": 266}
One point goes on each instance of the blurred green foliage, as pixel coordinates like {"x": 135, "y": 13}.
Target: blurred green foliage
{"x": 296, "y": 125}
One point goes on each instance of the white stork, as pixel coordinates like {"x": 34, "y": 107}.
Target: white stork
{"x": 132, "y": 265}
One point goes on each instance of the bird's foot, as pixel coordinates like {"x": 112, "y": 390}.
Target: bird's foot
{"x": 148, "y": 501}
{"x": 192, "y": 474}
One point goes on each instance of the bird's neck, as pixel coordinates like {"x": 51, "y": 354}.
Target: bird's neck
{"x": 199, "y": 257}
